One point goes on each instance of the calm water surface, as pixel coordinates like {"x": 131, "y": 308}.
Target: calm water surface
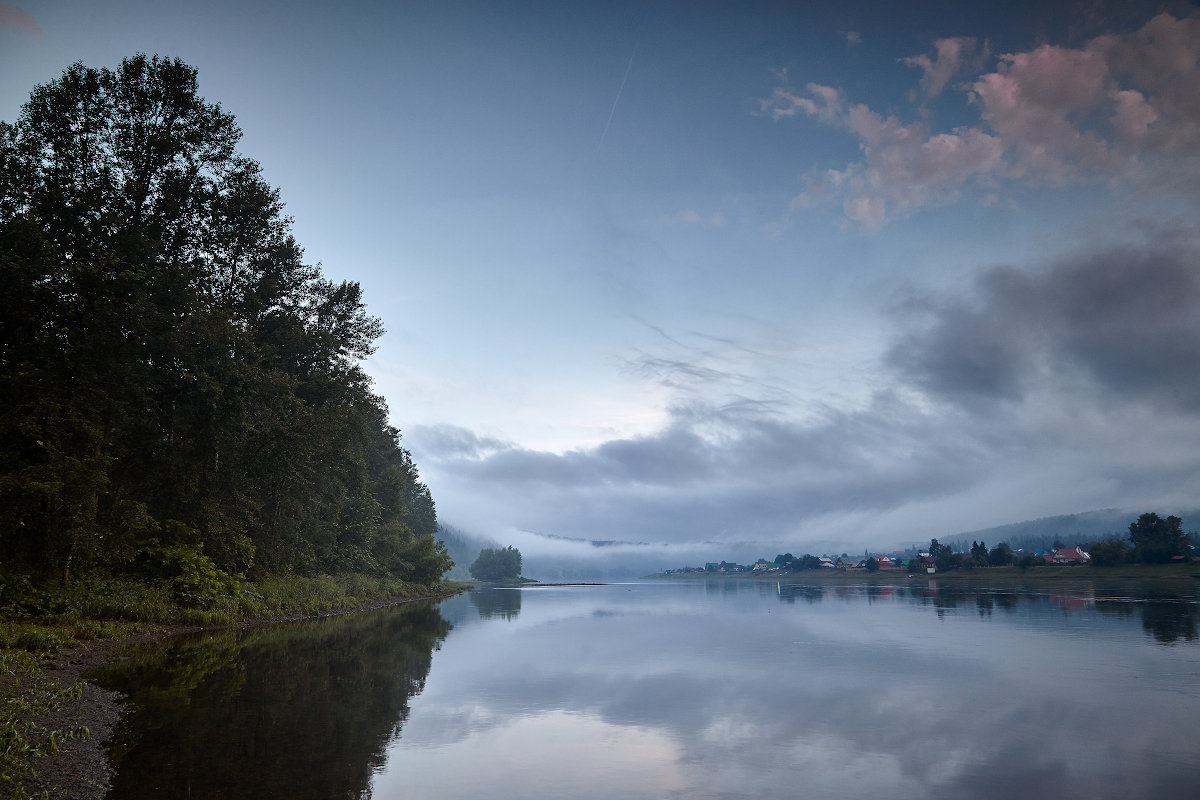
{"x": 685, "y": 689}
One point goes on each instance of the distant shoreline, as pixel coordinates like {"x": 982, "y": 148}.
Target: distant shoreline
{"x": 1045, "y": 572}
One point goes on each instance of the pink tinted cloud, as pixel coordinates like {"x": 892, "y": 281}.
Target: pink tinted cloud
{"x": 823, "y": 102}
{"x": 1120, "y": 108}
{"x": 19, "y": 18}
{"x": 1036, "y": 102}
{"x": 950, "y": 57}
{"x": 905, "y": 166}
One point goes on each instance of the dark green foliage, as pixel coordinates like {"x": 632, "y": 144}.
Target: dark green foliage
{"x": 979, "y": 554}
{"x": 497, "y": 564}
{"x": 783, "y": 559}
{"x": 944, "y": 556}
{"x": 1109, "y": 553}
{"x": 180, "y": 394}
{"x": 1000, "y": 555}
{"x": 872, "y": 564}
{"x": 1156, "y": 540}
{"x": 807, "y": 561}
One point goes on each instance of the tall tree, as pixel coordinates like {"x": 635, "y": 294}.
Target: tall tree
{"x": 167, "y": 355}
{"x": 1156, "y": 540}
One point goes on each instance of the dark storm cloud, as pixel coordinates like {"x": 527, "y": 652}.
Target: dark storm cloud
{"x": 1123, "y": 322}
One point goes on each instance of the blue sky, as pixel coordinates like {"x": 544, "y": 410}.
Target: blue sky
{"x": 821, "y": 275}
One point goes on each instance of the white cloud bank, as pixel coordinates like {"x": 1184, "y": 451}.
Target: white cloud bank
{"x": 1047, "y": 389}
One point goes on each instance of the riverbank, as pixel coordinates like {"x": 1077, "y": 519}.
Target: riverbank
{"x": 1044, "y": 572}
{"x": 54, "y": 722}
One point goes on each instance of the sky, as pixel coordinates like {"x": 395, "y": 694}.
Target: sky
{"x": 823, "y": 276}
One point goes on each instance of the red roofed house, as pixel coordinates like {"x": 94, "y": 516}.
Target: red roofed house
{"x": 1070, "y": 555}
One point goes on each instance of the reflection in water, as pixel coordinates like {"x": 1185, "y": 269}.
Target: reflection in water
{"x": 1167, "y": 615}
{"x": 764, "y": 689}
{"x": 790, "y": 593}
{"x": 717, "y": 689}
{"x": 293, "y": 711}
{"x": 497, "y": 602}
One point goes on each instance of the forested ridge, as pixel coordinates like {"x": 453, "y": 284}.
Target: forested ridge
{"x": 181, "y": 395}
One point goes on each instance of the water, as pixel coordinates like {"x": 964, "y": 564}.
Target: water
{"x": 726, "y": 689}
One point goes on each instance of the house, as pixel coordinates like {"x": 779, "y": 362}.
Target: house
{"x": 923, "y": 563}
{"x": 1068, "y": 555}
{"x": 761, "y": 565}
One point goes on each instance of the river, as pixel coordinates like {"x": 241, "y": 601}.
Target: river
{"x": 664, "y": 689}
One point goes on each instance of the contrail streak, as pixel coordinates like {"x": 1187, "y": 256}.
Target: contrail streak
{"x": 624, "y": 78}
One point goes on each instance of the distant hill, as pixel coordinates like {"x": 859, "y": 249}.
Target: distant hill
{"x": 1070, "y": 529}
{"x": 463, "y": 548}
{"x": 610, "y": 560}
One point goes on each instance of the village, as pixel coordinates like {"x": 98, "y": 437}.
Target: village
{"x": 929, "y": 562}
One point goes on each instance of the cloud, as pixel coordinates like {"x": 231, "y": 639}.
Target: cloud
{"x": 1120, "y": 108}
{"x": 907, "y": 166}
{"x": 453, "y": 442}
{"x": 1030, "y": 391}
{"x": 950, "y": 57}
{"x": 20, "y": 19}
{"x": 720, "y": 473}
{"x": 1119, "y": 322}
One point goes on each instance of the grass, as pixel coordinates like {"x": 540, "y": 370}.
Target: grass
{"x": 28, "y": 695}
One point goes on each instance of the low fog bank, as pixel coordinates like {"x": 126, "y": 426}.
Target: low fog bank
{"x": 550, "y": 558}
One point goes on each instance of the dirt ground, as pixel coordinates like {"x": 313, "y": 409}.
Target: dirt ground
{"x": 80, "y": 769}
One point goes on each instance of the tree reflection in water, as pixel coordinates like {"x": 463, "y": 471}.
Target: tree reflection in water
{"x": 300, "y": 711}
{"x": 1168, "y": 615}
{"x": 497, "y": 602}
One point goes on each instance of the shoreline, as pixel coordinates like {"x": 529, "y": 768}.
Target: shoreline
{"x": 80, "y": 769}
{"x": 1046, "y": 572}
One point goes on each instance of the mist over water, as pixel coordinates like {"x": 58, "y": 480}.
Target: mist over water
{"x": 687, "y": 689}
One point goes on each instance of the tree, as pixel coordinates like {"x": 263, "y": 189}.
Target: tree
{"x": 807, "y": 561}
{"x": 943, "y": 555}
{"x": 872, "y": 564}
{"x": 937, "y": 549}
{"x": 1109, "y": 553}
{"x": 1156, "y": 540}
{"x": 494, "y": 564}
{"x": 784, "y": 559}
{"x": 175, "y": 382}
{"x": 1000, "y": 555}
{"x": 979, "y": 553}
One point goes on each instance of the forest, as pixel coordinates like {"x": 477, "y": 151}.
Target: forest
{"x": 182, "y": 398}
